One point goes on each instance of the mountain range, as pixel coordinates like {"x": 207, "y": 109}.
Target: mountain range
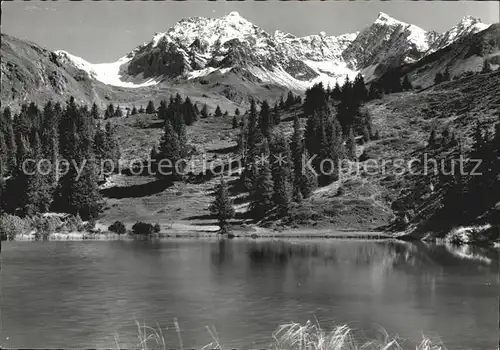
{"x": 231, "y": 59}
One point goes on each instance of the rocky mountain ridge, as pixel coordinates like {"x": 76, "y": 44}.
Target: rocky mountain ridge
{"x": 228, "y": 57}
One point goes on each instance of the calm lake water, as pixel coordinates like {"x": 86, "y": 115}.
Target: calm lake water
{"x": 80, "y": 294}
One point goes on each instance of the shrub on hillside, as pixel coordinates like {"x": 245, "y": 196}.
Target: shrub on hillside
{"x": 10, "y": 225}
{"x": 90, "y": 225}
{"x": 44, "y": 226}
{"x": 157, "y": 228}
{"x": 73, "y": 224}
{"x": 142, "y": 228}
{"x": 117, "y": 227}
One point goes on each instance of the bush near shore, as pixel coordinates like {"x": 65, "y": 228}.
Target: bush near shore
{"x": 41, "y": 226}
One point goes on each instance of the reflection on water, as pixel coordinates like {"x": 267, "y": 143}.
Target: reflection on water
{"x": 79, "y": 294}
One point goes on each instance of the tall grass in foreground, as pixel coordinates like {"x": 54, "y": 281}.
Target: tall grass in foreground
{"x": 291, "y": 336}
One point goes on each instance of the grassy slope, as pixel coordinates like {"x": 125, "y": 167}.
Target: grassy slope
{"x": 406, "y": 120}
{"x": 134, "y": 198}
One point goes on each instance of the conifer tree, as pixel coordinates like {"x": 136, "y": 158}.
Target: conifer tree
{"x": 235, "y": 123}
{"x": 331, "y": 148}
{"x": 19, "y": 184}
{"x": 222, "y": 207}
{"x": 134, "y": 110}
{"x": 9, "y": 139}
{"x": 351, "y": 145}
{"x": 261, "y": 195}
{"x": 178, "y": 99}
{"x": 479, "y": 143}
{"x": 432, "y": 138}
{"x": 110, "y": 111}
{"x": 446, "y": 75}
{"x": 282, "y": 103}
{"x": 163, "y": 111}
{"x": 141, "y": 110}
{"x": 218, "y": 112}
{"x": 190, "y": 115}
{"x": 170, "y": 151}
{"x": 496, "y": 139}
{"x": 49, "y": 135}
{"x": 154, "y": 154}
{"x": 94, "y": 112}
{"x": 237, "y": 112}
{"x": 204, "y": 111}
{"x": 264, "y": 118}
{"x": 3, "y": 155}
{"x": 38, "y": 195}
{"x": 290, "y": 100}
{"x": 445, "y": 138}
{"x": 251, "y": 150}
{"x": 486, "y": 68}
{"x": 438, "y": 78}
{"x": 150, "y": 109}
{"x": 407, "y": 86}
{"x": 328, "y": 92}
{"x": 391, "y": 81}
{"x": 180, "y": 128}
{"x": 275, "y": 115}
{"x": 315, "y": 99}
{"x": 78, "y": 191}
{"x": 303, "y": 179}
{"x": 336, "y": 92}
{"x": 3, "y": 195}
{"x": 282, "y": 173}
{"x": 312, "y": 134}
{"x": 359, "y": 91}
{"x": 375, "y": 91}
{"x": 309, "y": 181}
{"x": 118, "y": 112}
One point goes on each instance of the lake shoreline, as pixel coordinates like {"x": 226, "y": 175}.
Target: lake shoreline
{"x": 182, "y": 230}
{"x": 259, "y": 233}
{"x": 193, "y": 231}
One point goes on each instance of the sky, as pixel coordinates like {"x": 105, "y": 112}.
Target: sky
{"x": 105, "y": 31}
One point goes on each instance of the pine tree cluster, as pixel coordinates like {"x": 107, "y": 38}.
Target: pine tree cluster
{"x": 177, "y": 114}
{"x": 273, "y": 171}
{"x": 45, "y": 137}
{"x": 390, "y": 82}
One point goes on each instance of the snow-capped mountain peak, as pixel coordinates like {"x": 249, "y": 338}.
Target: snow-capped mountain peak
{"x": 468, "y": 25}
{"x": 107, "y": 73}
{"x": 279, "y": 35}
{"x": 200, "y": 46}
{"x": 384, "y": 19}
{"x": 234, "y": 15}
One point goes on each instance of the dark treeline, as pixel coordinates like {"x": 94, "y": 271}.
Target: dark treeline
{"x": 273, "y": 174}
{"x": 36, "y": 140}
{"x": 390, "y": 82}
{"x": 466, "y": 194}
